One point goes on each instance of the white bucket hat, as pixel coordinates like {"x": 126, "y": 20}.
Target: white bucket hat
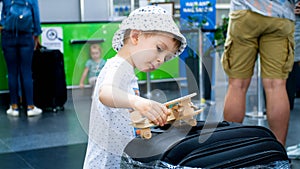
{"x": 149, "y": 18}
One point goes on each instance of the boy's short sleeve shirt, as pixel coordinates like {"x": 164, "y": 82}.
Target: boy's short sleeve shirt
{"x": 109, "y": 130}
{"x": 274, "y": 8}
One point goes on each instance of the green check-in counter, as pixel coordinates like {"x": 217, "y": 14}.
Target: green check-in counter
{"x": 76, "y": 38}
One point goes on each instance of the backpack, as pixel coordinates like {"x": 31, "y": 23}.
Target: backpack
{"x": 19, "y": 16}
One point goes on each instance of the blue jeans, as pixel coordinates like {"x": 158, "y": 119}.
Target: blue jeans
{"x": 18, "y": 53}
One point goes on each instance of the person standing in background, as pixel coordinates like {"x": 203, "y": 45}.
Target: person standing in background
{"x": 294, "y": 151}
{"x": 291, "y": 81}
{"x": 18, "y": 45}
{"x": 267, "y": 28}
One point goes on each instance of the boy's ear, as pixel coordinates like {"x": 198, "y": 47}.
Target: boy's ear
{"x": 134, "y": 36}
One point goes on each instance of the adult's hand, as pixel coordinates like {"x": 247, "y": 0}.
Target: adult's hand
{"x": 37, "y": 42}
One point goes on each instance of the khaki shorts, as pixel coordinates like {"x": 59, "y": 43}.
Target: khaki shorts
{"x": 251, "y": 34}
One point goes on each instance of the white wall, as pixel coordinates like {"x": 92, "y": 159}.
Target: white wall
{"x": 59, "y": 10}
{"x": 73, "y": 10}
{"x": 96, "y": 10}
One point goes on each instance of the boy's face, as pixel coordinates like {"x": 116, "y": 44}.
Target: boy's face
{"x": 152, "y": 51}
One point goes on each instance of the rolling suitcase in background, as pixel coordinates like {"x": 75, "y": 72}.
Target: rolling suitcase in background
{"x": 49, "y": 80}
{"x": 224, "y": 145}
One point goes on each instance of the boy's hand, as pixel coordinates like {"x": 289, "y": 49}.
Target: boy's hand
{"x": 154, "y": 111}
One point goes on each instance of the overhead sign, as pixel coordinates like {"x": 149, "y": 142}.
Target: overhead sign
{"x": 198, "y": 13}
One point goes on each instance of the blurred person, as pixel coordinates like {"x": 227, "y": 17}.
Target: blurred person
{"x": 18, "y": 45}
{"x": 294, "y": 150}
{"x": 93, "y": 66}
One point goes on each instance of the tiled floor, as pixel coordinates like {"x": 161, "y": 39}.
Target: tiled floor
{"x": 58, "y": 140}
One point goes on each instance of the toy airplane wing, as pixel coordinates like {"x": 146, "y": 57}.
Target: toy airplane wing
{"x": 180, "y": 99}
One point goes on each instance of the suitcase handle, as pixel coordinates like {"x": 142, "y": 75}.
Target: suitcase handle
{"x": 199, "y": 126}
{"x": 40, "y": 47}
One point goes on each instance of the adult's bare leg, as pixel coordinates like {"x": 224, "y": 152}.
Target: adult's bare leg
{"x": 235, "y": 100}
{"x": 278, "y": 108}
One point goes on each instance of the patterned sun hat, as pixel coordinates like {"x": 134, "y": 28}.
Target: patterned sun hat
{"x": 148, "y": 18}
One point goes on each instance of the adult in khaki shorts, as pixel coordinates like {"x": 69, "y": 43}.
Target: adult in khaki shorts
{"x": 266, "y": 28}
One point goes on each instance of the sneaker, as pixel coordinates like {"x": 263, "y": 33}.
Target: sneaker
{"x": 294, "y": 154}
{"x": 12, "y": 112}
{"x": 290, "y": 148}
{"x": 34, "y": 112}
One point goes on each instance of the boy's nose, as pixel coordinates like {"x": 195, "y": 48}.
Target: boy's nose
{"x": 159, "y": 62}
{"x": 160, "y": 59}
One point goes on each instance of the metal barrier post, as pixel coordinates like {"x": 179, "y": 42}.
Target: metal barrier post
{"x": 259, "y": 113}
{"x": 148, "y": 82}
{"x": 201, "y": 90}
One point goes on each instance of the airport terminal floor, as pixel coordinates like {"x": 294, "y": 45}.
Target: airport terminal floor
{"x": 58, "y": 140}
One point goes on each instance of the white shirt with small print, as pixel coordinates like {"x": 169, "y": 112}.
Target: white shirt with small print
{"x": 109, "y": 129}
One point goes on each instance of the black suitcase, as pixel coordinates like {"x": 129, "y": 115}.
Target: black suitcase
{"x": 217, "y": 145}
{"x": 49, "y": 80}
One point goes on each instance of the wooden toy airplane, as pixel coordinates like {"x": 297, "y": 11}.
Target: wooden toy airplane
{"x": 180, "y": 109}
